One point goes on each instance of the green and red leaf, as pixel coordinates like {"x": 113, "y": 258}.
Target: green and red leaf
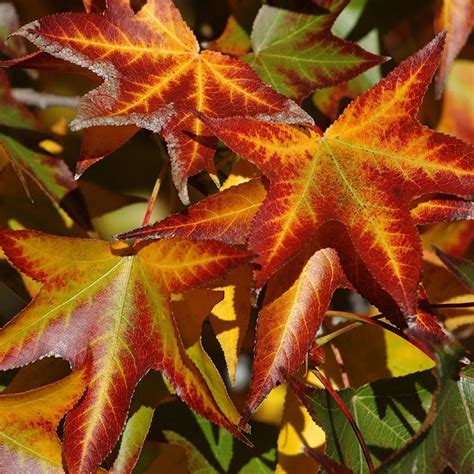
{"x": 119, "y": 308}
{"x": 297, "y": 53}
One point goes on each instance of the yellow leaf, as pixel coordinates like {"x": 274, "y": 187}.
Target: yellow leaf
{"x": 230, "y": 317}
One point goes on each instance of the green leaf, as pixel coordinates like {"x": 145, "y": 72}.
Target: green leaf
{"x": 133, "y": 438}
{"x": 259, "y": 466}
{"x": 296, "y": 53}
{"x": 51, "y": 174}
{"x": 461, "y": 267}
{"x": 449, "y": 442}
{"x": 221, "y": 443}
{"x": 388, "y": 413}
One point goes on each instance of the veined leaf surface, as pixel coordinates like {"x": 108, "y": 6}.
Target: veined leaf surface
{"x": 120, "y": 45}
{"x": 28, "y": 423}
{"x": 297, "y": 53}
{"x": 118, "y": 307}
{"x": 363, "y": 172}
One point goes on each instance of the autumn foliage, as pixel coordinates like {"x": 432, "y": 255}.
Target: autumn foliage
{"x": 281, "y": 238}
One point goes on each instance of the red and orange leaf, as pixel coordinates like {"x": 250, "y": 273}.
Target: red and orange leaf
{"x": 225, "y": 216}
{"x": 119, "y": 307}
{"x": 363, "y": 172}
{"x": 442, "y": 210}
{"x": 297, "y": 53}
{"x": 457, "y": 117}
{"x": 234, "y": 40}
{"x": 28, "y": 424}
{"x": 101, "y": 141}
{"x": 454, "y": 238}
{"x": 120, "y": 45}
{"x": 94, "y": 5}
{"x": 457, "y": 17}
{"x": 287, "y": 326}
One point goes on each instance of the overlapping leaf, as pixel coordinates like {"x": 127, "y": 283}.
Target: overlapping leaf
{"x": 51, "y": 174}
{"x": 227, "y": 216}
{"x": 407, "y": 398}
{"x": 362, "y": 172}
{"x": 8, "y": 24}
{"x": 297, "y": 53}
{"x": 119, "y": 307}
{"x": 287, "y": 325}
{"x": 120, "y": 45}
{"x": 28, "y": 424}
{"x": 457, "y": 116}
{"x": 457, "y": 17}
{"x": 448, "y": 442}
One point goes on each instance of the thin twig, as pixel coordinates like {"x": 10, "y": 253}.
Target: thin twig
{"x": 44, "y": 100}
{"x": 469, "y": 304}
{"x": 376, "y": 322}
{"x": 154, "y": 194}
{"x": 322, "y": 340}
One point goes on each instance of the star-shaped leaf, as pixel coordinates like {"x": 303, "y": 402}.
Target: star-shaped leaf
{"x": 154, "y": 76}
{"x": 28, "y": 424}
{"x": 363, "y": 172}
{"x": 297, "y": 53}
{"x": 119, "y": 307}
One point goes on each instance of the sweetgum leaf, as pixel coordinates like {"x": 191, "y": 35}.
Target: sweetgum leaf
{"x": 297, "y": 53}
{"x": 448, "y": 443}
{"x": 119, "y": 307}
{"x": 443, "y": 210}
{"x": 120, "y": 45}
{"x": 227, "y": 216}
{"x": 388, "y": 413}
{"x": 28, "y": 423}
{"x": 363, "y": 172}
